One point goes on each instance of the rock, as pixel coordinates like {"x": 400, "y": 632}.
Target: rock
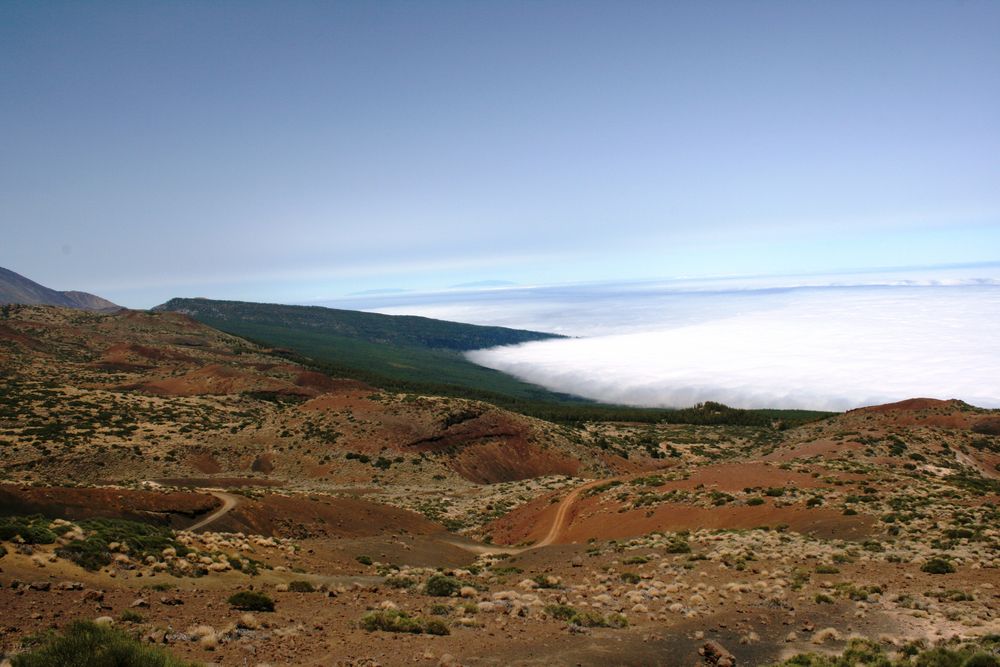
{"x": 171, "y": 600}
{"x": 140, "y": 603}
{"x": 716, "y": 654}
{"x": 156, "y": 637}
{"x": 40, "y": 585}
{"x": 104, "y": 620}
{"x": 576, "y": 562}
{"x": 93, "y": 596}
{"x": 448, "y": 660}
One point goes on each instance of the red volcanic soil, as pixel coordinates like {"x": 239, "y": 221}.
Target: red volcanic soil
{"x": 510, "y": 459}
{"x": 216, "y": 379}
{"x": 6, "y": 333}
{"x": 324, "y": 383}
{"x": 599, "y": 518}
{"x": 921, "y": 412}
{"x": 322, "y": 516}
{"x": 176, "y": 508}
{"x": 738, "y": 476}
{"x": 988, "y": 426}
{"x": 495, "y": 447}
{"x": 348, "y": 399}
{"x": 909, "y": 404}
{"x": 129, "y": 352}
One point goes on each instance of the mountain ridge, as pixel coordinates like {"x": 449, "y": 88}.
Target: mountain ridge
{"x": 15, "y": 288}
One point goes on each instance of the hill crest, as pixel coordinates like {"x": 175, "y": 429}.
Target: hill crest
{"x": 15, "y": 288}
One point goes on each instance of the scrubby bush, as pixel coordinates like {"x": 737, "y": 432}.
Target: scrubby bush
{"x": 442, "y": 586}
{"x": 678, "y": 545}
{"x": 636, "y": 560}
{"x": 251, "y": 601}
{"x": 86, "y": 644}
{"x": 32, "y": 529}
{"x": 630, "y": 577}
{"x": 867, "y": 653}
{"x": 435, "y": 626}
{"x": 301, "y": 586}
{"x": 364, "y": 560}
{"x": 131, "y": 616}
{"x": 937, "y": 566}
{"x": 587, "y": 618}
{"x": 394, "y": 620}
{"x": 142, "y": 539}
{"x": 400, "y": 582}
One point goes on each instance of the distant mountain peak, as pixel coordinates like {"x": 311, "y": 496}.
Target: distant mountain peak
{"x": 15, "y": 288}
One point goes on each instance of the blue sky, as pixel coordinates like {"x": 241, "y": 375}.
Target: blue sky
{"x": 295, "y": 151}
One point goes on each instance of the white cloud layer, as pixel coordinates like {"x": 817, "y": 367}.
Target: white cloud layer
{"x": 817, "y": 348}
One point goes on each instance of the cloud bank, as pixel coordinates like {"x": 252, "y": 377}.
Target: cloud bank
{"x": 819, "y": 348}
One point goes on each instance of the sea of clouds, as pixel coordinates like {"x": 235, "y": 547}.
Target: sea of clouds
{"x": 832, "y": 346}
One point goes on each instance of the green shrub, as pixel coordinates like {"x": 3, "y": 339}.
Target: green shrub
{"x": 400, "y": 582}
{"x": 85, "y": 644}
{"x": 32, "y": 529}
{"x": 562, "y": 612}
{"x": 251, "y": 601}
{"x": 442, "y": 586}
{"x": 435, "y": 626}
{"x": 364, "y": 560}
{"x": 440, "y": 610}
{"x": 390, "y": 620}
{"x": 937, "y": 566}
{"x": 615, "y": 621}
{"x": 394, "y": 620}
{"x": 630, "y": 577}
{"x": 756, "y": 500}
{"x": 131, "y": 616}
{"x": 143, "y": 539}
{"x": 827, "y": 569}
{"x": 300, "y": 586}
{"x": 678, "y": 546}
{"x": 587, "y": 618}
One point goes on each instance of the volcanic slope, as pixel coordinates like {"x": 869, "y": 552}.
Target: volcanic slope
{"x": 15, "y": 288}
{"x": 138, "y": 396}
{"x": 392, "y": 351}
{"x": 399, "y": 529}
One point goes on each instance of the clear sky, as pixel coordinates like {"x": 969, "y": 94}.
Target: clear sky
{"x": 291, "y": 151}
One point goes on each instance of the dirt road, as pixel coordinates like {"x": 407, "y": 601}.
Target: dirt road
{"x": 229, "y": 501}
{"x": 561, "y": 520}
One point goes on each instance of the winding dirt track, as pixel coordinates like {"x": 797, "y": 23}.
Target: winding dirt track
{"x": 560, "y": 522}
{"x": 229, "y": 501}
